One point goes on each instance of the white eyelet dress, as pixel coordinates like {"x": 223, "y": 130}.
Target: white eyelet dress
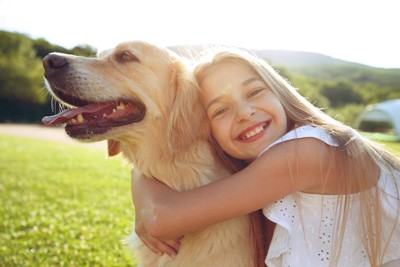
{"x": 305, "y": 223}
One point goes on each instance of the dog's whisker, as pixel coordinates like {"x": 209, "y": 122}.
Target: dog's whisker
{"x": 53, "y": 104}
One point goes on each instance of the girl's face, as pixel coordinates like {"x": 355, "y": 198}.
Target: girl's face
{"x": 245, "y": 114}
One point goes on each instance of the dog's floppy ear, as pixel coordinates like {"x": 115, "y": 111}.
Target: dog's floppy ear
{"x": 113, "y": 147}
{"x": 187, "y": 120}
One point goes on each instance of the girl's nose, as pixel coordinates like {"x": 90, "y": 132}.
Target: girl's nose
{"x": 244, "y": 112}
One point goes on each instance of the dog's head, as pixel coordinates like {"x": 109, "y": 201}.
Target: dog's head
{"x": 124, "y": 94}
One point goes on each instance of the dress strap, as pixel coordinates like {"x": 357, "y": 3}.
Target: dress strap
{"x": 306, "y": 131}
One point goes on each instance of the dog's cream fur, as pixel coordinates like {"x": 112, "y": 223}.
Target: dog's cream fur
{"x": 170, "y": 143}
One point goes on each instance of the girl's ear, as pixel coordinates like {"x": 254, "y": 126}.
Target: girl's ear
{"x": 187, "y": 121}
{"x": 113, "y": 147}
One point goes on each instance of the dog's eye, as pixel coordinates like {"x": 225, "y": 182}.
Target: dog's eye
{"x": 126, "y": 56}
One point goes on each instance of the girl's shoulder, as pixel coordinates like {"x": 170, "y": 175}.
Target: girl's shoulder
{"x": 306, "y": 131}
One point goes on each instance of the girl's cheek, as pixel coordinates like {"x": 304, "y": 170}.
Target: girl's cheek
{"x": 215, "y": 129}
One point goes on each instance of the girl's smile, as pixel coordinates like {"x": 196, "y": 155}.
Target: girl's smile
{"x": 253, "y": 133}
{"x": 245, "y": 115}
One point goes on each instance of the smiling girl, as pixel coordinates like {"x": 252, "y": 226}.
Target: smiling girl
{"x": 333, "y": 195}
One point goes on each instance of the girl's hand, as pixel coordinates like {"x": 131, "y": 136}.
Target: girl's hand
{"x": 158, "y": 246}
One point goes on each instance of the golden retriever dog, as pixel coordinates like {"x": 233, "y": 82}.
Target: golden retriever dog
{"x": 144, "y": 100}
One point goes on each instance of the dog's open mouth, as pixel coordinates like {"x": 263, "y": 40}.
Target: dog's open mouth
{"x": 93, "y": 119}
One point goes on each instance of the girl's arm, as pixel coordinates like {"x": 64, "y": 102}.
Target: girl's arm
{"x": 158, "y": 246}
{"x": 291, "y": 166}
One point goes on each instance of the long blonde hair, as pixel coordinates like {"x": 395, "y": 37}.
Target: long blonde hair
{"x": 360, "y": 155}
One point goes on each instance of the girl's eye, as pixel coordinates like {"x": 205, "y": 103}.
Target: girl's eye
{"x": 219, "y": 112}
{"x": 256, "y": 92}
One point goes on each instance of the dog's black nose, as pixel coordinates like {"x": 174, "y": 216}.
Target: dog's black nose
{"x": 53, "y": 64}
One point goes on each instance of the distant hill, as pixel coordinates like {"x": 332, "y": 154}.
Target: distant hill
{"x": 322, "y": 66}
{"x": 315, "y": 65}
{"x": 290, "y": 59}
{"x": 296, "y": 59}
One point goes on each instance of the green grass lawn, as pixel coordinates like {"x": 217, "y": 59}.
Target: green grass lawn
{"x": 65, "y": 205}
{"x": 62, "y": 205}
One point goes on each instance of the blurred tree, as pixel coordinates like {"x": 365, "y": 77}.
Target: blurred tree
{"x": 84, "y": 50}
{"x": 307, "y": 87}
{"x": 310, "y": 89}
{"x": 43, "y": 48}
{"x": 340, "y": 93}
{"x": 347, "y": 113}
{"x": 20, "y": 70}
{"x": 372, "y": 93}
{"x": 22, "y": 94}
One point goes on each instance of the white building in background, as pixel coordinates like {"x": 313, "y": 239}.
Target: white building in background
{"x": 383, "y": 117}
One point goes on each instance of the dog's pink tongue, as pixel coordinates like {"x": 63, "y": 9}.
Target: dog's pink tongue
{"x": 68, "y": 114}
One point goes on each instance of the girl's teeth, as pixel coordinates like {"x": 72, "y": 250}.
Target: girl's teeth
{"x": 254, "y": 132}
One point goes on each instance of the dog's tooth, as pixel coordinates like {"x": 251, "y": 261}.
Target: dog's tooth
{"x": 80, "y": 118}
{"x": 121, "y": 106}
{"x": 73, "y": 121}
{"x": 104, "y": 115}
{"x": 114, "y": 110}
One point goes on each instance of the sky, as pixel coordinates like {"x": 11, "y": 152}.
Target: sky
{"x": 362, "y": 31}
